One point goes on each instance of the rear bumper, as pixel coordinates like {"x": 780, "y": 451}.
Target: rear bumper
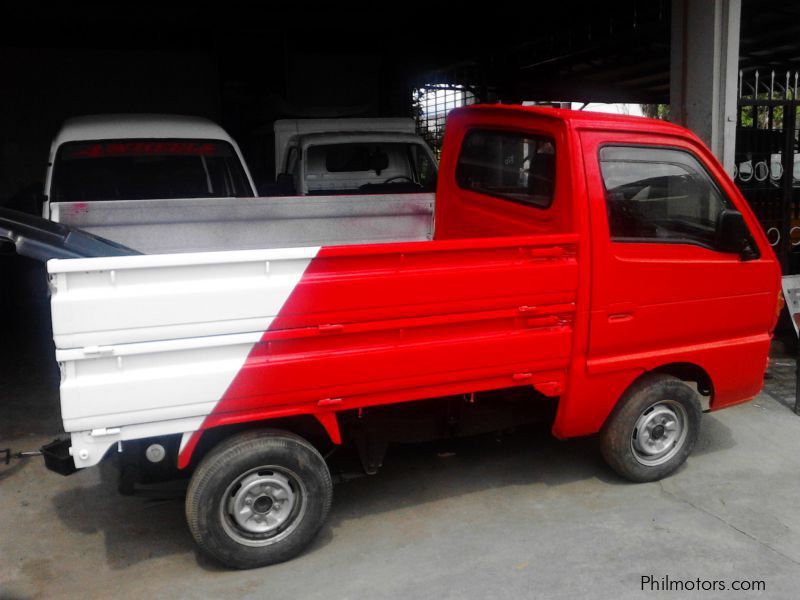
{"x": 58, "y": 458}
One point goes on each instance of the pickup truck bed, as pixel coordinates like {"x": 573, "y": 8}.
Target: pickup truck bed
{"x": 191, "y": 340}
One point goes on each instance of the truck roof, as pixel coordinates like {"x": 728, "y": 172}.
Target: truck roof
{"x": 128, "y": 126}
{"x": 307, "y": 126}
{"x": 337, "y": 137}
{"x": 589, "y": 119}
{"x": 133, "y": 126}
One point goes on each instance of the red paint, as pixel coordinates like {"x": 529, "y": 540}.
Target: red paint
{"x": 509, "y": 294}
{"x": 79, "y": 208}
{"x": 141, "y": 148}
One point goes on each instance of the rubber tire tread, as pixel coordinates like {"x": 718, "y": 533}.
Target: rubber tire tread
{"x": 236, "y": 455}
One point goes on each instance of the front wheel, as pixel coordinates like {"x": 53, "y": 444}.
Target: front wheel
{"x": 258, "y": 498}
{"x": 652, "y": 430}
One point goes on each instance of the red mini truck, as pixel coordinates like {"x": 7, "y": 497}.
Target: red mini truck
{"x": 602, "y": 264}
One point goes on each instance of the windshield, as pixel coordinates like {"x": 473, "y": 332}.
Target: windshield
{"x": 147, "y": 169}
{"x": 369, "y": 167}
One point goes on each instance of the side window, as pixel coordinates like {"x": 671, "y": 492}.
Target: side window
{"x": 659, "y": 194}
{"x": 509, "y": 165}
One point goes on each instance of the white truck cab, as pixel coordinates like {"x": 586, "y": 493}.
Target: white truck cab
{"x": 352, "y": 156}
{"x": 143, "y": 157}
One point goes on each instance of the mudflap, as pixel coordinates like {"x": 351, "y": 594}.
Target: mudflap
{"x": 57, "y": 457}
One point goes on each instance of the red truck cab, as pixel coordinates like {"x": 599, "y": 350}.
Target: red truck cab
{"x": 658, "y": 290}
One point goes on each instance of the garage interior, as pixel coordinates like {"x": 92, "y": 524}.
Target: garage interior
{"x": 245, "y": 70}
{"x": 234, "y": 68}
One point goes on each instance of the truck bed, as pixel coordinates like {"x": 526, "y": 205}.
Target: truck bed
{"x": 195, "y": 340}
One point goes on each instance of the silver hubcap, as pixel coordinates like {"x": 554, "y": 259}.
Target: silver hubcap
{"x": 262, "y": 506}
{"x": 659, "y": 433}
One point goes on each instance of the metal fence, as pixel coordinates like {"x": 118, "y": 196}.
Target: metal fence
{"x": 767, "y": 166}
{"x": 432, "y": 103}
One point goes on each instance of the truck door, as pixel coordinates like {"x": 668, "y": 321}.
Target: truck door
{"x": 663, "y": 290}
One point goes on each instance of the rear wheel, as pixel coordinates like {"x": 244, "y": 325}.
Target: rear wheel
{"x": 652, "y": 430}
{"x": 258, "y": 498}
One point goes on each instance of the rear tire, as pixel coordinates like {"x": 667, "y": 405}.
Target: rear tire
{"x": 258, "y": 498}
{"x": 652, "y": 430}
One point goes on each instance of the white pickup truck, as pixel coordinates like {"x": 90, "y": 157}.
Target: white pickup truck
{"x": 139, "y": 157}
{"x": 352, "y": 156}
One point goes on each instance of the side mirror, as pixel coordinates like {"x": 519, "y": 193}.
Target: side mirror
{"x": 733, "y": 235}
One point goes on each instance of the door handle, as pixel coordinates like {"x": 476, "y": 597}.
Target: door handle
{"x": 621, "y": 311}
{"x": 619, "y": 317}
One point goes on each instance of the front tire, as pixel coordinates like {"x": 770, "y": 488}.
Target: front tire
{"x": 652, "y": 430}
{"x": 258, "y": 498}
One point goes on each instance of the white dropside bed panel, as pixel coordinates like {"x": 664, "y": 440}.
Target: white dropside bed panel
{"x": 149, "y": 344}
{"x": 126, "y": 299}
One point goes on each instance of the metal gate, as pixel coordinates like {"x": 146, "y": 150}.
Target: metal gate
{"x": 767, "y": 169}
{"x": 431, "y": 105}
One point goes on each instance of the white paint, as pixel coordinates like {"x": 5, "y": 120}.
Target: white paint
{"x": 136, "y": 126}
{"x": 165, "y": 297}
{"x": 152, "y": 350}
{"x": 73, "y": 265}
{"x": 187, "y": 435}
{"x": 87, "y": 451}
{"x": 139, "y": 126}
{"x": 97, "y": 393}
{"x": 791, "y": 294}
{"x": 302, "y": 134}
{"x": 288, "y": 130}
{"x": 615, "y": 108}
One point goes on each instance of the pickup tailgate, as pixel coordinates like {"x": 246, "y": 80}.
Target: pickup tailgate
{"x": 189, "y": 341}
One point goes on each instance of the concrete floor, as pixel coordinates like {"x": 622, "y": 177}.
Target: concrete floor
{"x": 524, "y": 516}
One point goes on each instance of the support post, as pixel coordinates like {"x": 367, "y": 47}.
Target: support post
{"x": 704, "y": 61}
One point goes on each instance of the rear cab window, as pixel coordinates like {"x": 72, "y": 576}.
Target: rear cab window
{"x": 143, "y": 169}
{"x": 509, "y": 165}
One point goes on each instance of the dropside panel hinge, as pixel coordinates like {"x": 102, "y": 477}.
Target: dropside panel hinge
{"x": 97, "y": 350}
{"x": 104, "y": 431}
